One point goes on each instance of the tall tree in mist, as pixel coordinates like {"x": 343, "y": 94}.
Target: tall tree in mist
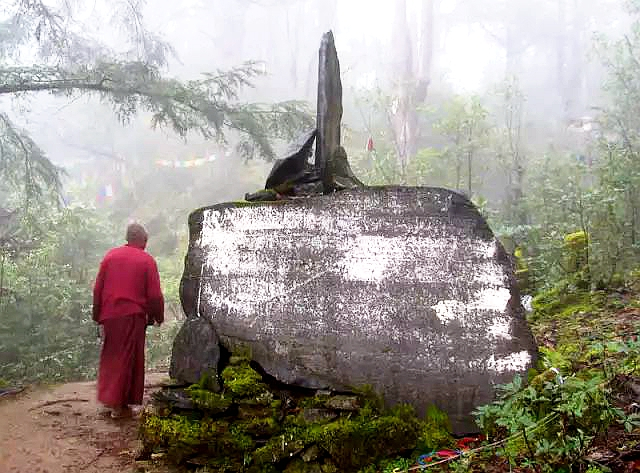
{"x": 69, "y": 63}
{"x": 413, "y": 72}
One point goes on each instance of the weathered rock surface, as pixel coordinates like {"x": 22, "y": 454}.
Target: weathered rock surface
{"x": 196, "y": 352}
{"x": 331, "y": 160}
{"x": 295, "y": 167}
{"x": 403, "y": 289}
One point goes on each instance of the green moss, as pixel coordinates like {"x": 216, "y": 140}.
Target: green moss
{"x": 317, "y": 401}
{"x": 242, "y": 381}
{"x": 260, "y": 427}
{"x": 208, "y": 381}
{"x": 576, "y": 247}
{"x": 351, "y": 441}
{"x": 278, "y": 448}
{"x": 276, "y": 405}
{"x": 372, "y": 402}
{"x": 262, "y": 468}
{"x": 263, "y": 399}
{"x": 238, "y": 360}
{"x": 329, "y": 467}
{"x": 354, "y": 443}
{"x": 208, "y": 401}
{"x": 561, "y": 302}
{"x": 184, "y": 438}
{"x": 435, "y": 430}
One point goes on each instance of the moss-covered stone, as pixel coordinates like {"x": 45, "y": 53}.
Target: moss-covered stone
{"x": 576, "y": 248}
{"x": 435, "y": 431}
{"x": 236, "y": 360}
{"x": 263, "y": 399}
{"x": 343, "y": 403}
{"x": 329, "y": 467}
{"x": 210, "y": 402}
{"x": 184, "y": 438}
{"x": 315, "y": 401}
{"x": 278, "y": 448}
{"x": 242, "y": 381}
{"x": 260, "y": 427}
{"x": 299, "y": 466}
{"x": 231, "y": 425}
{"x": 354, "y": 443}
{"x": 246, "y": 412}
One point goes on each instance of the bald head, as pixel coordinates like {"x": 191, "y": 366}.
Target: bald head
{"x": 137, "y": 235}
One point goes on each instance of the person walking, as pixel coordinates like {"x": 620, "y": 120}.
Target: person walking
{"x": 126, "y": 299}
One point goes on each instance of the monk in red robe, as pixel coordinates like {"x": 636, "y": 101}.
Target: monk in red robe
{"x": 126, "y": 298}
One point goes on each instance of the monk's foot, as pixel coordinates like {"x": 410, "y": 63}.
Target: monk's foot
{"x": 143, "y": 454}
{"x": 121, "y": 413}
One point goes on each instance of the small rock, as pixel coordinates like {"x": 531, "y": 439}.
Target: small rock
{"x": 329, "y": 467}
{"x": 315, "y": 415}
{"x": 298, "y": 466}
{"x": 311, "y": 454}
{"x": 343, "y": 403}
{"x": 264, "y": 195}
{"x": 251, "y": 412}
{"x": 177, "y": 398}
{"x": 190, "y": 365}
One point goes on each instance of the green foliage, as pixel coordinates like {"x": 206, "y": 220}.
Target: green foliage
{"x": 70, "y": 66}
{"x": 553, "y": 422}
{"x": 436, "y": 431}
{"x": 46, "y": 332}
{"x": 465, "y": 126}
{"x": 24, "y": 167}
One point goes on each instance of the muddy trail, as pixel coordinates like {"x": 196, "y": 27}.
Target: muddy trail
{"x": 59, "y": 429}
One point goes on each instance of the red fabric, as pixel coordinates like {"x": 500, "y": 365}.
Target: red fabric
{"x": 370, "y": 144}
{"x": 127, "y": 283}
{"x": 121, "y": 372}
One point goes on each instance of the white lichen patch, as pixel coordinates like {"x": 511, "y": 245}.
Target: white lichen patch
{"x": 500, "y": 329}
{"x": 491, "y": 299}
{"x": 449, "y": 310}
{"x": 512, "y": 362}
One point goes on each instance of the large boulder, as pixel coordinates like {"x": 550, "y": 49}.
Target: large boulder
{"x": 403, "y": 289}
{"x": 196, "y": 353}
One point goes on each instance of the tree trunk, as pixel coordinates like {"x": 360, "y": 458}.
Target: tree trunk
{"x": 561, "y": 43}
{"x": 413, "y": 85}
{"x": 427, "y": 36}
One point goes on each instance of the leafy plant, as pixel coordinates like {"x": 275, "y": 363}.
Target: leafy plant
{"x": 552, "y": 422}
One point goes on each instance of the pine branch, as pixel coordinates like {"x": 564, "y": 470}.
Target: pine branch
{"x": 204, "y": 106}
{"x": 24, "y": 165}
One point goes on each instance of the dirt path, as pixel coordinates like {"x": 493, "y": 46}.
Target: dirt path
{"x": 58, "y": 430}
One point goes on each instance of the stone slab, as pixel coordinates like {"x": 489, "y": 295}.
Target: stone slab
{"x": 403, "y": 289}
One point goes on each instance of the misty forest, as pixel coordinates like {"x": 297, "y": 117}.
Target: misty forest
{"x": 144, "y": 111}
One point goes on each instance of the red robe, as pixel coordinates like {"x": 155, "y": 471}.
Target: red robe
{"x": 126, "y": 298}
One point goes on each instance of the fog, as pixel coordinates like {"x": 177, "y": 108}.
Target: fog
{"x": 474, "y": 46}
{"x": 528, "y": 108}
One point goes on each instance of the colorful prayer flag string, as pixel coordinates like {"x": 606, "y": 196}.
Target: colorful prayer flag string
{"x": 190, "y": 163}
